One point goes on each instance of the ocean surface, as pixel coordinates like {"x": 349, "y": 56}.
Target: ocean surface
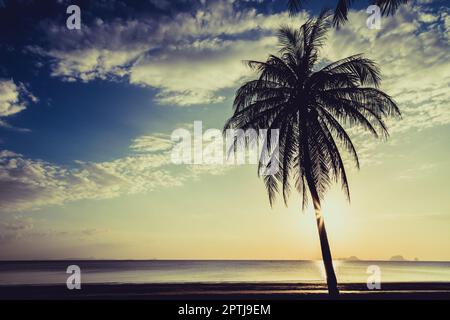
{"x": 186, "y": 271}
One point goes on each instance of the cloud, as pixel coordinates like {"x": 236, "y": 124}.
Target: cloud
{"x": 10, "y": 102}
{"x": 14, "y": 98}
{"x": 152, "y": 143}
{"x": 20, "y": 228}
{"x": 14, "y": 229}
{"x": 417, "y": 172}
{"x": 192, "y": 57}
{"x": 29, "y": 184}
{"x": 17, "y": 224}
{"x": 195, "y": 73}
{"x": 189, "y": 57}
{"x": 93, "y": 231}
{"x": 32, "y": 184}
{"x": 413, "y": 53}
{"x": 6, "y": 125}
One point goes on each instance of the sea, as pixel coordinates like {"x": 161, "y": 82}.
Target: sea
{"x": 218, "y": 271}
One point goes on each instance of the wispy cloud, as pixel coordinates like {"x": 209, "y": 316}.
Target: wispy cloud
{"x": 15, "y": 228}
{"x": 6, "y": 125}
{"x": 32, "y": 184}
{"x": 24, "y": 228}
{"x": 152, "y": 143}
{"x": 419, "y": 171}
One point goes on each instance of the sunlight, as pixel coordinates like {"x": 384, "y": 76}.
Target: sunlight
{"x": 336, "y": 214}
{"x": 321, "y": 267}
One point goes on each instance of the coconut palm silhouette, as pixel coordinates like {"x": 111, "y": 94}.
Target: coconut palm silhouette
{"x": 311, "y": 107}
{"x": 387, "y": 7}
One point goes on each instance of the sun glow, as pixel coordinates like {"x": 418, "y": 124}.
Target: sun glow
{"x": 321, "y": 267}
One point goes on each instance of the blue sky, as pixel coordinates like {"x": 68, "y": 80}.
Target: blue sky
{"x": 80, "y": 110}
{"x": 113, "y": 112}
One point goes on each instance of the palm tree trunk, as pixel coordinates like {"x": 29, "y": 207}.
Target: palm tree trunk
{"x": 326, "y": 252}
{"x": 324, "y": 245}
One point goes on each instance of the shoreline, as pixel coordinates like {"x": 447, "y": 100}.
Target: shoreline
{"x": 226, "y": 291}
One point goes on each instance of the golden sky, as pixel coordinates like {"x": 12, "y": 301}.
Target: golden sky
{"x": 121, "y": 198}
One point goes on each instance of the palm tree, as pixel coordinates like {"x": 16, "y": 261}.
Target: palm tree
{"x": 388, "y": 7}
{"x": 311, "y": 107}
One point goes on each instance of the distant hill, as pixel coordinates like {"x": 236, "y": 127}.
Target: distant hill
{"x": 352, "y": 258}
{"x": 397, "y": 258}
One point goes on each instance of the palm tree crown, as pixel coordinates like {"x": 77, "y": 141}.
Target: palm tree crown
{"x": 311, "y": 107}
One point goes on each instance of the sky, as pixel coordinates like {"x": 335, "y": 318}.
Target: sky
{"x": 86, "y": 118}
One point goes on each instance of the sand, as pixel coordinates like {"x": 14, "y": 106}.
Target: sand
{"x": 226, "y": 291}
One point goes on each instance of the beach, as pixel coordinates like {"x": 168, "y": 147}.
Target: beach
{"x": 225, "y": 291}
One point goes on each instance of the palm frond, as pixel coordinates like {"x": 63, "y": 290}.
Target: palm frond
{"x": 365, "y": 70}
{"x": 341, "y": 12}
{"x": 294, "y": 6}
{"x": 389, "y": 7}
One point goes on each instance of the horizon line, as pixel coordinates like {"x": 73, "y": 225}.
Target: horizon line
{"x": 262, "y": 260}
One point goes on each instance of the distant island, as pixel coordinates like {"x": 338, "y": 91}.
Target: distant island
{"x": 397, "y": 258}
{"x": 352, "y": 258}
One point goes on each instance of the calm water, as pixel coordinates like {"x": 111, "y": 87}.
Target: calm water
{"x": 159, "y": 271}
